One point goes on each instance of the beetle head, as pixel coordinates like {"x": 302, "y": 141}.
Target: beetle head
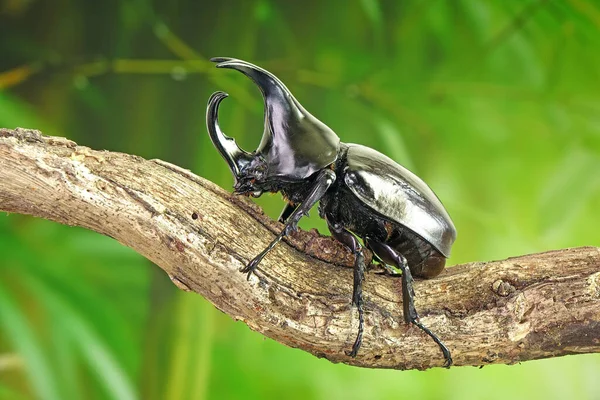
{"x": 294, "y": 144}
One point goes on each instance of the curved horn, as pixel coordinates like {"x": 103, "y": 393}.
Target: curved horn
{"x": 271, "y": 87}
{"x": 295, "y": 143}
{"x": 235, "y": 157}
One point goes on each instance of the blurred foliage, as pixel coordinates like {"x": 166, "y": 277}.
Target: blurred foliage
{"x": 495, "y": 104}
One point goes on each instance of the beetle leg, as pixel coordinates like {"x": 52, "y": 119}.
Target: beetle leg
{"x": 389, "y": 270}
{"x": 323, "y": 181}
{"x": 391, "y": 256}
{"x": 350, "y": 241}
{"x": 286, "y": 212}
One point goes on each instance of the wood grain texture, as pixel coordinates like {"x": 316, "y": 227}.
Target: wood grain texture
{"x": 522, "y": 308}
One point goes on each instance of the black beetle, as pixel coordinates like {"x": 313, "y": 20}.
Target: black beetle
{"x": 362, "y": 193}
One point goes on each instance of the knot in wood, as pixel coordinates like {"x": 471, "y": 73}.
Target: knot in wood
{"x": 502, "y": 288}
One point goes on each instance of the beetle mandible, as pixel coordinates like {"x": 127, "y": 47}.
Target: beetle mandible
{"x": 361, "y": 192}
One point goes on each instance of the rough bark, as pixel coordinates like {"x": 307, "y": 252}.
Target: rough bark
{"x": 522, "y": 308}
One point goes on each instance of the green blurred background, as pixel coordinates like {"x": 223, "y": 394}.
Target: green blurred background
{"x": 495, "y": 104}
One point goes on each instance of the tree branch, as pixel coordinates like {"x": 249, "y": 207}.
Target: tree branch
{"x": 523, "y": 308}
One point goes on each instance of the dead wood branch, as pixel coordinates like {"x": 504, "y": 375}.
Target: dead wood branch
{"x": 523, "y": 308}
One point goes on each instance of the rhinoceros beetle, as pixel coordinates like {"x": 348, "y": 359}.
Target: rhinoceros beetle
{"x": 362, "y": 193}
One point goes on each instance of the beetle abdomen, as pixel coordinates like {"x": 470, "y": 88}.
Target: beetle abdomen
{"x": 424, "y": 260}
{"x": 396, "y": 193}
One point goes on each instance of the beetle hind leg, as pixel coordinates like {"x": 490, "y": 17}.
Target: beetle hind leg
{"x": 388, "y": 255}
{"x": 351, "y": 242}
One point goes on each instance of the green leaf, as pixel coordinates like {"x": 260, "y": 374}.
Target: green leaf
{"x": 25, "y": 341}
{"x": 94, "y": 350}
{"x": 394, "y": 145}
{"x": 14, "y": 112}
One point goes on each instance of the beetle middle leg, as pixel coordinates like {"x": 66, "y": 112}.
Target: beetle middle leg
{"x": 350, "y": 241}
{"x": 323, "y": 181}
{"x": 286, "y": 212}
{"x": 388, "y": 255}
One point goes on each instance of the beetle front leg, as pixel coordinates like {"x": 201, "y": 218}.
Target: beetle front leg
{"x": 323, "y": 181}
{"x": 389, "y": 255}
{"x": 350, "y": 241}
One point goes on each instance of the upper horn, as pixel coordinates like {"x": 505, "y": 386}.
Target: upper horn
{"x": 295, "y": 143}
